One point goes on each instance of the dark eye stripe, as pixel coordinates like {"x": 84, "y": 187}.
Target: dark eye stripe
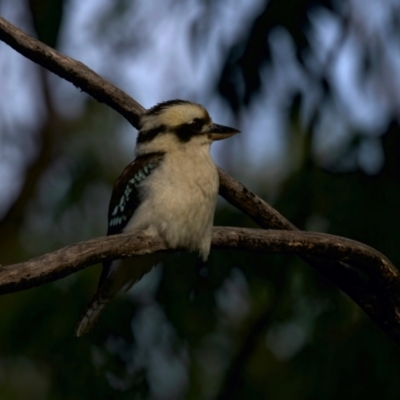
{"x": 147, "y": 136}
{"x": 197, "y": 123}
{"x": 186, "y": 131}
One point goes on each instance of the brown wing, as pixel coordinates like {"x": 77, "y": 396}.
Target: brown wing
{"x": 125, "y": 197}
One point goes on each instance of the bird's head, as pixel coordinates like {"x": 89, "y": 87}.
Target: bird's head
{"x": 174, "y": 123}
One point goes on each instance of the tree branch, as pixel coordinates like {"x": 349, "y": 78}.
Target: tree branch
{"x": 60, "y": 263}
{"x": 380, "y": 304}
{"x": 73, "y": 71}
{"x": 376, "y": 291}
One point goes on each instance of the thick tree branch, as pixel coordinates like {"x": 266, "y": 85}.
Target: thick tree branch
{"x": 377, "y": 292}
{"x": 70, "y": 259}
{"x": 380, "y": 304}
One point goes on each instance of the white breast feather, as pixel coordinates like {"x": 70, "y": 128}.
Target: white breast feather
{"x": 180, "y": 198}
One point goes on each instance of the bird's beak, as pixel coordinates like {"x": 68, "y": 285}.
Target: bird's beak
{"x": 219, "y": 132}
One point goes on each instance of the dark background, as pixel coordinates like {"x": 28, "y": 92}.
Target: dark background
{"x": 314, "y": 85}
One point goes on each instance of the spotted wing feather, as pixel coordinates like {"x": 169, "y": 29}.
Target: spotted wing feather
{"x": 125, "y": 197}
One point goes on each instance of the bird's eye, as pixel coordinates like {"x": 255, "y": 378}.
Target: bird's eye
{"x": 196, "y": 123}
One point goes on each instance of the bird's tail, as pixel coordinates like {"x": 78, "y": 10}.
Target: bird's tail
{"x": 91, "y": 314}
{"x": 120, "y": 277}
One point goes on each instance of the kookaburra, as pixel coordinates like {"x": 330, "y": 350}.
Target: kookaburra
{"x": 169, "y": 190}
